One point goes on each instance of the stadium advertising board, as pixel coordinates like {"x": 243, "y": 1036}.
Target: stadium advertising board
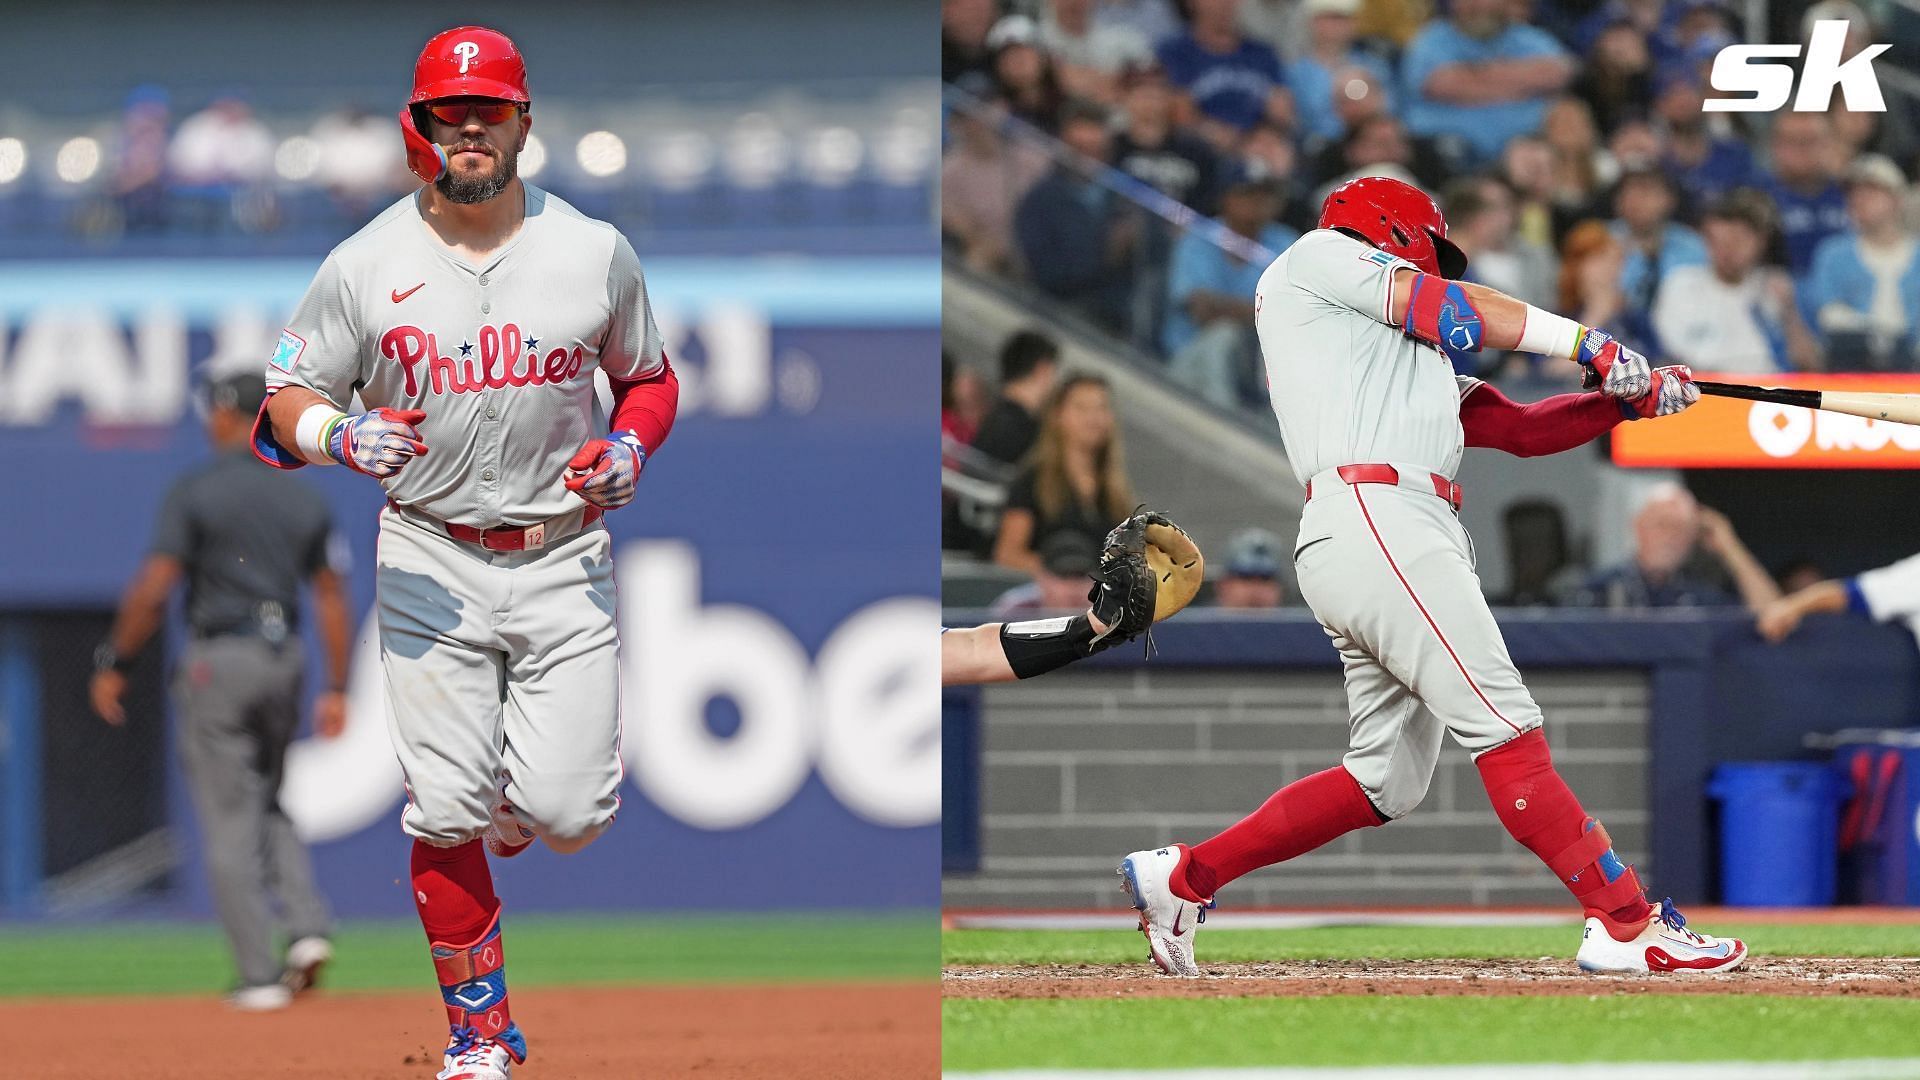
{"x": 1726, "y": 433}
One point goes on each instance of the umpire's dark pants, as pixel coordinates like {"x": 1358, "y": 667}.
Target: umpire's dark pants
{"x": 239, "y": 706}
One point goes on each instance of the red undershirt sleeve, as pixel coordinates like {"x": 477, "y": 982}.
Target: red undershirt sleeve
{"x": 646, "y": 406}
{"x": 1561, "y": 422}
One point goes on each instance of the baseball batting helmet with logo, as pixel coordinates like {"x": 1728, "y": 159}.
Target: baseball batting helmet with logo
{"x": 466, "y": 61}
{"x": 1397, "y": 218}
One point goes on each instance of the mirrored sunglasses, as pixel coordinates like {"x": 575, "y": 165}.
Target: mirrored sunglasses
{"x": 455, "y": 113}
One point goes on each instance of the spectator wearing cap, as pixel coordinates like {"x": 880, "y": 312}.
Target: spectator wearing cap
{"x": 1208, "y": 334}
{"x": 1076, "y": 236}
{"x": 1653, "y": 245}
{"x": 243, "y": 540}
{"x": 1706, "y": 165}
{"x": 1477, "y": 78}
{"x": 1227, "y": 83}
{"x": 1804, "y": 184}
{"x": 983, "y": 176}
{"x": 1075, "y": 481}
{"x": 1067, "y": 560}
{"x": 1029, "y": 372}
{"x": 1734, "y": 313}
{"x": 1091, "y": 58}
{"x": 1023, "y": 76}
{"x": 1152, "y": 149}
{"x": 1320, "y": 77}
{"x": 1251, "y": 580}
{"x": 1864, "y": 289}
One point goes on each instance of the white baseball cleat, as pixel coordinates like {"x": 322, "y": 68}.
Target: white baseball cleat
{"x": 1168, "y": 921}
{"x": 471, "y": 1057}
{"x": 1664, "y": 945}
{"x": 505, "y": 836}
{"x": 305, "y": 958}
{"x": 269, "y": 998}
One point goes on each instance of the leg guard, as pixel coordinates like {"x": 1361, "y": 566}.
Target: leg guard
{"x": 473, "y": 984}
{"x": 1541, "y": 812}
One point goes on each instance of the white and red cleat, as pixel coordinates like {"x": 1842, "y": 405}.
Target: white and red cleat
{"x": 1665, "y": 944}
{"x": 471, "y": 1057}
{"x": 505, "y": 836}
{"x": 1168, "y": 921}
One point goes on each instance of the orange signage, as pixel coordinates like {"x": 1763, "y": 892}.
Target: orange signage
{"x": 1732, "y": 433}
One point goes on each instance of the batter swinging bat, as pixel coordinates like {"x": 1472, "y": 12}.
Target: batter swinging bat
{"x": 1897, "y": 408}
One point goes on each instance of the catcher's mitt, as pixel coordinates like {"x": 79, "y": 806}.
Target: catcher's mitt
{"x": 1150, "y": 569}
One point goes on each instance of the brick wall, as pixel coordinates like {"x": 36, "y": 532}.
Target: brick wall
{"x": 1084, "y": 766}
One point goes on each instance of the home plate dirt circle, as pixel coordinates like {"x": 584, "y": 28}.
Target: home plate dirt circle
{"x": 1805, "y": 976}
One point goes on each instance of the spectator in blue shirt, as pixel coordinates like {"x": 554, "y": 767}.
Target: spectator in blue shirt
{"x": 1076, "y": 236}
{"x": 1707, "y": 166}
{"x": 1228, "y": 83}
{"x": 1864, "y": 289}
{"x": 1481, "y": 78}
{"x": 1319, "y": 78}
{"x": 1209, "y": 326}
{"x": 1643, "y": 206}
{"x": 1805, "y": 185}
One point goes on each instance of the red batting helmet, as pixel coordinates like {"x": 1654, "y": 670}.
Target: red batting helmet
{"x": 1397, "y": 218}
{"x": 466, "y": 61}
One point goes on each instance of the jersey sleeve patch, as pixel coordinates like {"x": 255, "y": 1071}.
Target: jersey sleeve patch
{"x": 1377, "y": 257}
{"x": 287, "y": 352}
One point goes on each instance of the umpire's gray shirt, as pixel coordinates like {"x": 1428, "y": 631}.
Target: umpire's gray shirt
{"x": 248, "y": 539}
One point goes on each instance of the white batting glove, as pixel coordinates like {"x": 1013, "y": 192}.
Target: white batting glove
{"x": 378, "y": 443}
{"x": 1623, "y": 373}
{"x": 605, "y": 472}
{"x": 1672, "y": 391}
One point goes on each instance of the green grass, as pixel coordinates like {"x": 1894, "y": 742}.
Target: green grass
{"x": 1001, "y": 947}
{"x": 1129, "y": 1033}
{"x": 158, "y": 958}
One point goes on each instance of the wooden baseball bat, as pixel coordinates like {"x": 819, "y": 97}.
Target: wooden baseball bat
{"x": 1895, "y": 408}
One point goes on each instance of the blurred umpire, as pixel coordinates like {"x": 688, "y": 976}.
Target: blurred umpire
{"x": 243, "y": 539}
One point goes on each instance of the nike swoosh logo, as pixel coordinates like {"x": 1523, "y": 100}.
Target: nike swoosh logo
{"x": 399, "y": 296}
{"x": 1181, "y": 914}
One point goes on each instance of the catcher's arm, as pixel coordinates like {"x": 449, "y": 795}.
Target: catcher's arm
{"x": 1003, "y": 652}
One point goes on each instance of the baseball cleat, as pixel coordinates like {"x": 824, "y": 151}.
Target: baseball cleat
{"x": 305, "y": 958}
{"x": 268, "y": 998}
{"x": 470, "y": 1056}
{"x": 1167, "y": 920}
{"x": 505, "y": 836}
{"x": 1665, "y": 944}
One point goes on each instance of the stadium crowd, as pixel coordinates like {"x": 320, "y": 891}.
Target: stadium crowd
{"x": 1566, "y": 142}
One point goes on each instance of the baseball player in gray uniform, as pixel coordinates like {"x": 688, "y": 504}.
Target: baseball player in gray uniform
{"x": 470, "y": 318}
{"x": 1359, "y": 322}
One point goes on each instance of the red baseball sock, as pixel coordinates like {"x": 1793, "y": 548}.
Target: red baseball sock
{"x": 1540, "y": 811}
{"x": 453, "y": 890}
{"x": 1293, "y": 821}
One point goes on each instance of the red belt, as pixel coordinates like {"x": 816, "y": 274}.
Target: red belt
{"x": 510, "y": 537}
{"x": 1387, "y": 474}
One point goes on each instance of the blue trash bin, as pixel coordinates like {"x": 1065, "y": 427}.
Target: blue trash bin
{"x": 1779, "y": 832}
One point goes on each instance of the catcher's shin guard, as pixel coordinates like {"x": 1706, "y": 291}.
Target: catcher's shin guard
{"x": 473, "y": 984}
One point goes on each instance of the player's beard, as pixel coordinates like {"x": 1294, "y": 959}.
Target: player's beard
{"x": 478, "y": 189}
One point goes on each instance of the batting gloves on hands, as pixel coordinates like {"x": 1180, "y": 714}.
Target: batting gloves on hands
{"x": 605, "y": 471}
{"x": 378, "y": 443}
{"x": 1672, "y": 391}
{"x": 1623, "y": 373}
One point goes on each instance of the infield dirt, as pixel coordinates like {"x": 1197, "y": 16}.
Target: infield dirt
{"x": 1798, "y": 976}
{"x": 840, "y": 1031}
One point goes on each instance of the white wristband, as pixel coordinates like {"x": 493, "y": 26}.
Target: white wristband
{"x": 309, "y": 435}
{"x": 1548, "y": 334}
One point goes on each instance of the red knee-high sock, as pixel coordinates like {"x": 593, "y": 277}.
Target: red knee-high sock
{"x": 453, "y": 890}
{"x": 1293, "y": 821}
{"x": 1540, "y": 811}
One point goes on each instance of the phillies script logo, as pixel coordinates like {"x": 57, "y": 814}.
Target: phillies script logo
{"x": 504, "y": 360}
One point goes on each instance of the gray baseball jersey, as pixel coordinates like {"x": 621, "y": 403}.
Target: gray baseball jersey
{"x": 1347, "y": 385}
{"x": 1387, "y": 569}
{"x": 499, "y": 356}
